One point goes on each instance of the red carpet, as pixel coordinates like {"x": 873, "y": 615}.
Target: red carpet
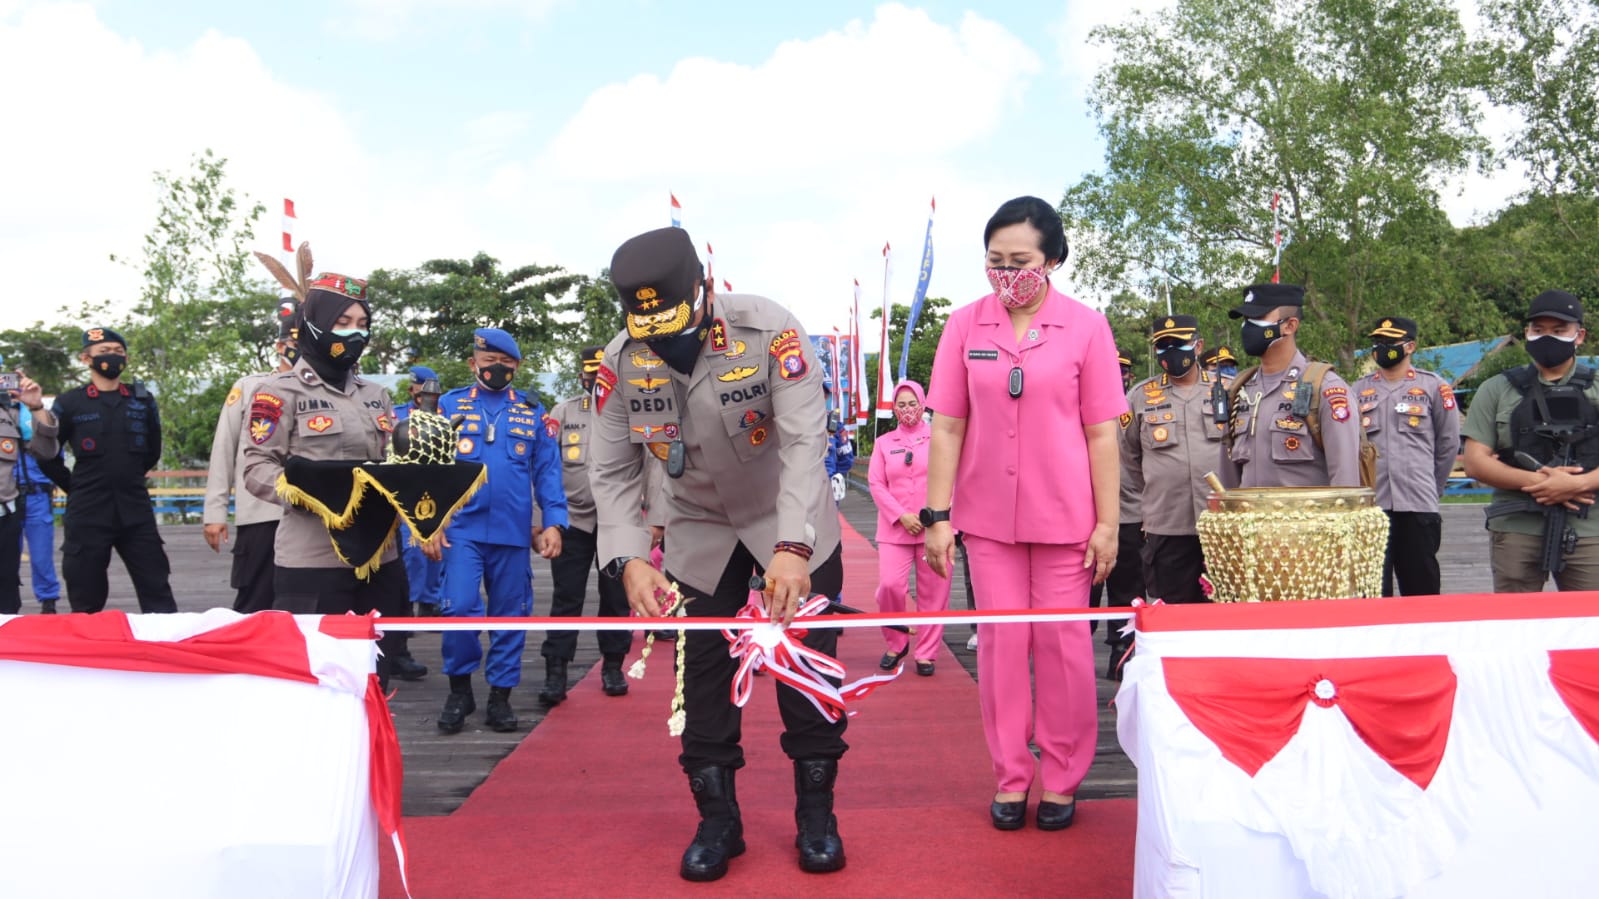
{"x": 593, "y": 802}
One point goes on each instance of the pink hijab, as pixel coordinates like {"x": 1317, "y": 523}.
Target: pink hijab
{"x": 921, "y": 400}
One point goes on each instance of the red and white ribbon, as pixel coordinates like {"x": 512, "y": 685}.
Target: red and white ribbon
{"x": 769, "y": 646}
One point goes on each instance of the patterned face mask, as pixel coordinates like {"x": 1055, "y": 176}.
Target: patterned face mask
{"x": 909, "y": 417}
{"x": 1017, "y": 287}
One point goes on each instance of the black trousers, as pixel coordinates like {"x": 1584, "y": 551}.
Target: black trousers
{"x": 713, "y": 727}
{"x": 1412, "y": 560}
{"x": 570, "y": 572}
{"x": 1126, "y": 581}
{"x": 335, "y": 591}
{"x": 1173, "y": 564}
{"x": 86, "y": 554}
{"x": 252, "y": 573}
{"x": 11, "y": 560}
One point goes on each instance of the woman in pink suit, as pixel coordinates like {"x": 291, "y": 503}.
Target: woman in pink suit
{"x": 1026, "y": 393}
{"x": 898, "y": 478}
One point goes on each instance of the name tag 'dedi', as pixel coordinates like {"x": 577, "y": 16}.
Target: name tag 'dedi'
{"x": 982, "y": 354}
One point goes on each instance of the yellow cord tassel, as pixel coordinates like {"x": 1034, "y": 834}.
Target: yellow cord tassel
{"x": 676, "y": 605}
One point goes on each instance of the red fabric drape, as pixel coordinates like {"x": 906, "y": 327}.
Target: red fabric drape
{"x": 1575, "y": 674}
{"x": 1250, "y": 708}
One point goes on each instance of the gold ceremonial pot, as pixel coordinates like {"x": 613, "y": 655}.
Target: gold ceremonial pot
{"x": 1273, "y": 544}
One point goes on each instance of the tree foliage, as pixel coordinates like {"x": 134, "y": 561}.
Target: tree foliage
{"x": 1354, "y": 110}
{"x": 1541, "y": 59}
{"x": 202, "y": 318}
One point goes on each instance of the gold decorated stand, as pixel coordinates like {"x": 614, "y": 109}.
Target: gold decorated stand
{"x": 1273, "y": 544}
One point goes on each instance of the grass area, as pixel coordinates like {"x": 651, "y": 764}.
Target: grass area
{"x": 1466, "y": 499}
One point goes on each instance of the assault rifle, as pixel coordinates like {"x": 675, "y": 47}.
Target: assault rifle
{"x": 1559, "y": 538}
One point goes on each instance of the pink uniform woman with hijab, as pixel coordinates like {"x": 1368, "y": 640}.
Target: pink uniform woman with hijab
{"x": 1026, "y": 391}
{"x": 898, "y": 478}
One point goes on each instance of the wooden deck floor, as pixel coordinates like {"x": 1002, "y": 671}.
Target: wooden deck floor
{"x": 441, "y": 771}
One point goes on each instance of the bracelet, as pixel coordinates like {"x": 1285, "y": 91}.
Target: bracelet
{"x": 798, "y": 549}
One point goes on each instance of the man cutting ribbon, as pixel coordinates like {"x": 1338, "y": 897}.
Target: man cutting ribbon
{"x": 727, "y": 392}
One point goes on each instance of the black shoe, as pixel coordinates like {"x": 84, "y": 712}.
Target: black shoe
{"x": 612, "y": 681}
{"x": 47, "y": 607}
{"x": 890, "y": 661}
{"x": 457, "y": 705}
{"x": 1118, "y": 652}
{"x": 407, "y": 668}
{"x": 427, "y": 610}
{"x": 499, "y": 717}
{"x": 1008, "y": 815}
{"x": 1056, "y": 815}
{"x": 720, "y": 836}
{"x": 554, "y": 692}
{"x": 924, "y": 668}
{"x": 669, "y": 636}
{"x": 820, "y": 848}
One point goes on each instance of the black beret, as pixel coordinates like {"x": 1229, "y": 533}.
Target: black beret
{"x": 657, "y": 274}
{"x": 1260, "y": 299}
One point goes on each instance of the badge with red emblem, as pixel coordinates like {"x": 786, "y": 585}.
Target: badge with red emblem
{"x": 604, "y": 383}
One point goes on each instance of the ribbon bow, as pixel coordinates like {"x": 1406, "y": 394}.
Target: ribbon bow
{"x": 770, "y": 646}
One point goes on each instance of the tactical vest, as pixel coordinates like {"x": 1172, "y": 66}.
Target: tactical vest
{"x": 1552, "y": 415}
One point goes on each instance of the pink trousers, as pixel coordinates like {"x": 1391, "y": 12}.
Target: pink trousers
{"x": 1063, "y": 718}
{"x": 894, "y": 561}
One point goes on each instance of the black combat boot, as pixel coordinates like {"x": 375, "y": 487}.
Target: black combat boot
{"x": 820, "y": 849}
{"x": 458, "y": 704}
{"x": 406, "y": 667}
{"x": 612, "y": 680}
{"x": 554, "y": 692}
{"x": 47, "y": 607}
{"x": 500, "y": 718}
{"x": 720, "y": 835}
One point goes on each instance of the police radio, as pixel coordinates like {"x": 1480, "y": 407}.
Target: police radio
{"x": 1220, "y": 413}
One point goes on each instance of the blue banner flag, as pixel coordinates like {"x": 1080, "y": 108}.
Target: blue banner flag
{"x": 922, "y": 278}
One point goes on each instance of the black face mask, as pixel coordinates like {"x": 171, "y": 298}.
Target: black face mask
{"x": 1257, "y": 339}
{"x": 109, "y": 365}
{"x": 1388, "y": 355}
{"x": 1174, "y": 361}
{"x": 681, "y": 350}
{"x": 1547, "y": 351}
{"x": 497, "y": 376}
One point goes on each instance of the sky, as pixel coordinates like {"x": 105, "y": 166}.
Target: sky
{"x": 799, "y": 138}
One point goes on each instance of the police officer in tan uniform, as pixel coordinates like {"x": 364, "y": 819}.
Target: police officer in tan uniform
{"x": 255, "y": 519}
{"x": 1410, "y": 415}
{"x": 13, "y": 504}
{"x": 322, "y": 409}
{"x": 1169, "y": 441}
{"x": 727, "y": 391}
{"x": 1269, "y": 442}
{"x": 568, "y": 424}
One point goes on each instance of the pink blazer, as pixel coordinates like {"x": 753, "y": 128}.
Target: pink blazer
{"x": 1023, "y": 474}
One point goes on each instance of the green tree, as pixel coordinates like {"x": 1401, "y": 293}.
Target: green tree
{"x": 202, "y": 318}
{"x": 1354, "y": 110}
{"x": 49, "y": 353}
{"x": 1541, "y": 59}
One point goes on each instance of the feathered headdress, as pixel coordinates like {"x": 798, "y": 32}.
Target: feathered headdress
{"x": 302, "y": 259}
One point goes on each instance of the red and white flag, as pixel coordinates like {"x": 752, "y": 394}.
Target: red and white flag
{"x": 857, "y": 358}
{"x": 885, "y": 388}
{"x": 726, "y": 287}
{"x": 677, "y": 211}
{"x": 288, "y": 225}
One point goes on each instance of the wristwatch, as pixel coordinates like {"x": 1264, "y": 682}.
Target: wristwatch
{"x": 614, "y": 569}
{"x": 928, "y": 516}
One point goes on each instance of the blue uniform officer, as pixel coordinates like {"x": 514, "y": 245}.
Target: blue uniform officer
{"x": 426, "y": 575}
{"x": 34, "y": 492}
{"x": 488, "y": 541}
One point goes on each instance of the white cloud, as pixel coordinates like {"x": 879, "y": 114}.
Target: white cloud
{"x": 381, "y": 20}
{"x": 899, "y": 87}
{"x": 797, "y": 167}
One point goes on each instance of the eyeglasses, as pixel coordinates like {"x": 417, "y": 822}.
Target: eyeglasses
{"x": 1185, "y": 347}
{"x": 1565, "y": 331}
